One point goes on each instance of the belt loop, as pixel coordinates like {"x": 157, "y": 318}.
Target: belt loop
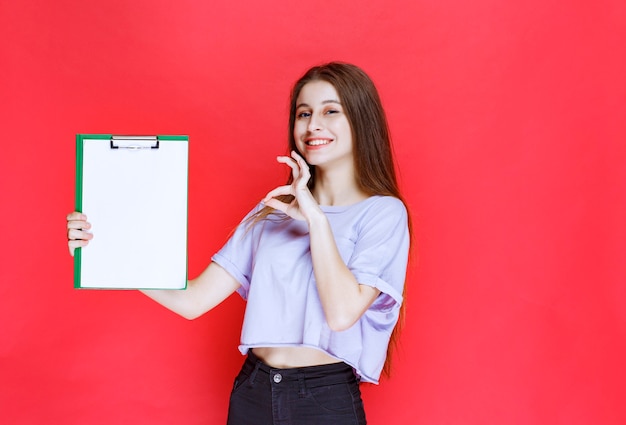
{"x": 302, "y": 392}
{"x": 254, "y": 371}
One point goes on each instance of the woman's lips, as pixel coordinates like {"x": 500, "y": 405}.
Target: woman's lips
{"x": 317, "y": 142}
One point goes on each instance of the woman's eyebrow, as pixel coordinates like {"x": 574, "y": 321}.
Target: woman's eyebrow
{"x": 324, "y": 102}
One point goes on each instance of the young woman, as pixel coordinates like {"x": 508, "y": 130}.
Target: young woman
{"x": 320, "y": 261}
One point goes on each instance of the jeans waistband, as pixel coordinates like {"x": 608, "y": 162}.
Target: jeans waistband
{"x": 328, "y": 374}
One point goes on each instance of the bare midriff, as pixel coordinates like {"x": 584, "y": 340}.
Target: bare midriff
{"x": 290, "y": 357}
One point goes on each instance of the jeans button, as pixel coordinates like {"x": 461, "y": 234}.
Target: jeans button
{"x": 277, "y": 378}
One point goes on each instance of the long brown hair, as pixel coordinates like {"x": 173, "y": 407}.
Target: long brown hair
{"x": 373, "y": 157}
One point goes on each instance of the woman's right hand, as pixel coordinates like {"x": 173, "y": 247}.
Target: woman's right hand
{"x": 77, "y": 231}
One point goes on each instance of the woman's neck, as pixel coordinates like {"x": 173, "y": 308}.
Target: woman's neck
{"x": 337, "y": 188}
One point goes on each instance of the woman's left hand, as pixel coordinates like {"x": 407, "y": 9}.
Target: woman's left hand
{"x": 303, "y": 204}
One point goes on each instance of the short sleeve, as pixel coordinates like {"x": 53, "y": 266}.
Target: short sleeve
{"x": 237, "y": 254}
{"x": 381, "y": 251}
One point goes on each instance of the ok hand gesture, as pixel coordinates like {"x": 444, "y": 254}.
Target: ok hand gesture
{"x": 303, "y": 205}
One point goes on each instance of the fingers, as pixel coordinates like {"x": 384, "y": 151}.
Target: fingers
{"x": 76, "y": 244}
{"x": 277, "y": 205}
{"x": 77, "y": 220}
{"x": 75, "y": 215}
{"x": 78, "y": 224}
{"x": 77, "y": 234}
{"x": 299, "y": 168}
{"x": 271, "y": 201}
{"x": 295, "y": 169}
{"x": 298, "y": 188}
{"x": 281, "y": 190}
{"x": 77, "y": 231}
{"x": 296, "y": 156}
{"x": 305, "y": 172}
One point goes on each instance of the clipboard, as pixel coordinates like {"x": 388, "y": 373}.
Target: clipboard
{"x": 133, "y": 190}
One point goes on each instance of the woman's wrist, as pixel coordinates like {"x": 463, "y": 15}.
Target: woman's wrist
{"x": 316, "y": 218}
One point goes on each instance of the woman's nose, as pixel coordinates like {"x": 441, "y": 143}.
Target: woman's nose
{"x": 314, "y": 123}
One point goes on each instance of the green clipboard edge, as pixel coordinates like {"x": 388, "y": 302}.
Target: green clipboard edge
{"x": 79, "y": 197}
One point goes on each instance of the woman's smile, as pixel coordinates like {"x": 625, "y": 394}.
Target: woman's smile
{"x": 315, "y": 143}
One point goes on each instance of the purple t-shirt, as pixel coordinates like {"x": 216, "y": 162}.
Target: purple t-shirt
{"x": 272, "y": 262}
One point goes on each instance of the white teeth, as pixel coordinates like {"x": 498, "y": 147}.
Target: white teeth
{"x": 317, "y": 142}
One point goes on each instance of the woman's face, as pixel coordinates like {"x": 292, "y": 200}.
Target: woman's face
{"x": 322, "y": 131}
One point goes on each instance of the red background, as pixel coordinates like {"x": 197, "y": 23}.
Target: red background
{"x": 509, "y": 126}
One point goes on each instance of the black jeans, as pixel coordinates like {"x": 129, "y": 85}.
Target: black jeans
{"x": 315, "y": 395}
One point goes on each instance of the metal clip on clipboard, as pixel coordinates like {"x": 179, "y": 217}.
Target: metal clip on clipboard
{"x": 134, "y": 142}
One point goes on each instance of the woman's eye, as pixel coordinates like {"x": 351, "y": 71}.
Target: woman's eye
{"x": 304, "y": 114}
{"x": 332, "y": 111}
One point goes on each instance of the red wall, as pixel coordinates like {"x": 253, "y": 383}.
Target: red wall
{"x": 509, "y": 126}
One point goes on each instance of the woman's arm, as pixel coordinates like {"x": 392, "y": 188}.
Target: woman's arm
{"x": 203, "y": 293}
{"x": 343, "y": 299}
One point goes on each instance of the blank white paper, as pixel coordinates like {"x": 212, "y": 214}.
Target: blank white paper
{"x": 136, "y": 201}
